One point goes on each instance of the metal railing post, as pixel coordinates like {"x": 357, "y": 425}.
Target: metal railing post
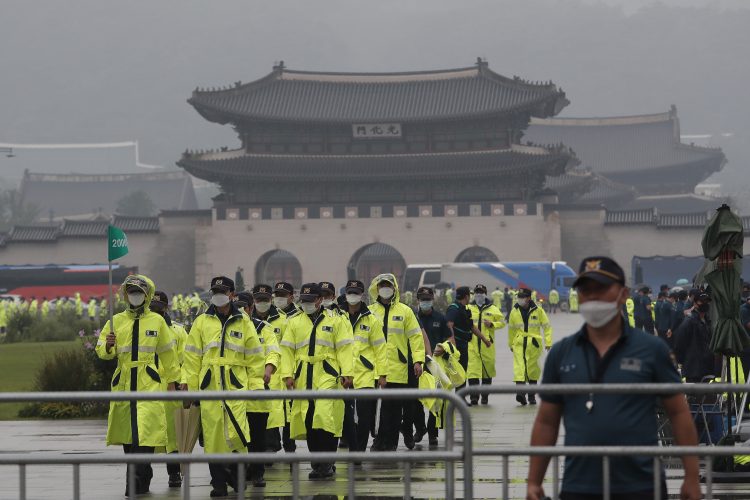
{"x": 186, "y": 482}
{"x": 76, "y": 481}
{"x": 407, "y": 481}
{"x": 506, "y": 477}
{"x": 555, "y": 477}
{"x": 450, "y": 479}
{"x": 350, "y": 486}
{"x": 295, "y": 480}
{"x": 22, "y": 481}
{"x": 131, "y": 479}
{"x": 709, "y": 478}
{"x": 605, "y": 477}
{"x": 241, "y": 483}
{"x": 657, "y": 478}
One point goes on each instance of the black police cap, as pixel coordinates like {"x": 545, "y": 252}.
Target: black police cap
{"x": 480, "y": 289}
{"x": 309, "y": 291}
{"x": 425, "y": 292}
{"x": 523, "y": 292}
{"x": 327, "y": 286}
{"x": 222, "y": 284}
{"x": 600, "y": 269}
{"x": 160, "y": 296}
{"x": 262, "y": 291}
{"x": 283, "y": 286}
{"x": 355, "y": 286}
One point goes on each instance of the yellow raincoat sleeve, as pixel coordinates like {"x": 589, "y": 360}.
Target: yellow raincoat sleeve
{"x": 513, "y": 328}
{"x": 414, "y": 332}
{"x": 498, "y": 320}
{"x": 101, "y": 344}
{"x": 273, "y": 352}
{"x": 344, "y": 344}
{"x": 193, "y": 356}
{"x": 166, "y": 348}
{"x": 544, "y": 322}
{"x": 288, "y": 348}
{"x": 377, "y": 341}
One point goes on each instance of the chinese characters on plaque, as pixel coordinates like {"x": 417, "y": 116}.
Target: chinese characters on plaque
{"x": 376, "y": 130}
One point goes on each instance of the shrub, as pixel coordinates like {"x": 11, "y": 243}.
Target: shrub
{"x": 24, "y": 326}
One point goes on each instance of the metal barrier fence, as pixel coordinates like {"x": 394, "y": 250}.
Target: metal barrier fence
{"x": 450, "y": 456}
{"x": 606, "y": 452}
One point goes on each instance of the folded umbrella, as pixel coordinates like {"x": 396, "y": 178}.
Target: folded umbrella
{"x": 187, "y": 424}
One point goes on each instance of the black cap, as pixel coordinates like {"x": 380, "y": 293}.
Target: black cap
{"x": 480, "y": 289}
{"x": 355, "y": 286}
{"x": 425, "y": 292}
{"x": 523, "y": 292}
{"x": 160, "y": 296}
{"x": 327, "y": 286}
{"x": 262, "y": 291}
{"x": 283, "y": 286}
{"x": 600, "y": 269}
{"x": 222, "y": 284}
{"x": 244, "y": 299}
{"x": 309, "y": 292}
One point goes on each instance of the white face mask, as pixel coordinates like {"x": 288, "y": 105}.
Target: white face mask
{"x": 479, "y": 298}
{"x": 308, "y": 307}
{"x": 263, "y": 306}
{"x": 597, "y": 313}
{"x": 220, "y": 299}
{"x": 280, "y": 302}
{"x": 523, "y": 302}
{"x": 136, "y": 299}
{"x": 425, "y": 305}
{"x": 385, "y": 292}
{"x": 353, "y": 298}
{"x": 327, "y": 302}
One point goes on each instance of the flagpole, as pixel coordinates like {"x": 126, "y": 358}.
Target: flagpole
{"x": 111, "y": 325}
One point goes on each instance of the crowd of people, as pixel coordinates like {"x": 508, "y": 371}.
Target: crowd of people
{"x": 274, "y": 337}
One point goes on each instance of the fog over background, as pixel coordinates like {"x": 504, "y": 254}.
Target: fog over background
{"x": 94, "y": 70}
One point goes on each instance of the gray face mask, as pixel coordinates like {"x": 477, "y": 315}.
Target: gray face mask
{"x": 425, "y": 305}
{"x": 280, "y": 302}
{"x": 308, "y": 307}
{"x": 263, "y": 306}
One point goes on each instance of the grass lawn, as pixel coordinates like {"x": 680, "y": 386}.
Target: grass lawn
{"x": 18, "y": 366}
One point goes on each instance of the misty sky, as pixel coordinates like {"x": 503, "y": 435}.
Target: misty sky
{"x": 99, "y": 70}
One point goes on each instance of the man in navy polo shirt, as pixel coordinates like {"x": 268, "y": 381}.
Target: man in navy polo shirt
{"x": 607, "y": 350}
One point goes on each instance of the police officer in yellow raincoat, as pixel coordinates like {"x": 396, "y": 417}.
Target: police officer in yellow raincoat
{"x": 160, "y": 305}
{"x": 317, "y": 355}
{"x": 526, "y": 325}
{"x": 259, "y": 412}
{"x": 370, "y": 363}
{"x": 488, "y": 318}
{"x": 224, "y": 353}
{"x": 402, "y": 331}
{"x": 144, "y": 347}
{"x": 573, "y": 300}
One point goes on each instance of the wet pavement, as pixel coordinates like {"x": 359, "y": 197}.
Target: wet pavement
{"x": 502, "y": 423}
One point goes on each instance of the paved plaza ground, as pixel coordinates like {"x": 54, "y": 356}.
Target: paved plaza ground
{"x": 502, "y": 423}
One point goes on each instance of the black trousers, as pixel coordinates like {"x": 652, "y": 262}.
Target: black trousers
{"x": 357, "y": 434}
{"x": 223, "y": 475}
{"x": 394, "y": 413}
{"x": 318, "y": 439}
{"x": 173, "y": 468}
{"x": 143, "y": 472}
{"x": 463, "y": 359}
{"x": 257, "y": 423}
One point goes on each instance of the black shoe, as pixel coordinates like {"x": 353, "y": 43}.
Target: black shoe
{"x": 474, "y": 401}
{"x": 326, "y": 472}
{"x": 343, "y": 443}
{"x": 219, "y": 492}
{"x": 259, "y": 482}
{"x": 521, "y": 399}
{"x": 314, "y": 473}
{"x": 485, "y": 399}
{"x": 532, "y": 399}
{"x": 409, "y": 442}
{"x": 419, "y": 435}
{"x": 433, "y": 442}
{"x": 175, "y": 480}
{"x": 377, "y": 446}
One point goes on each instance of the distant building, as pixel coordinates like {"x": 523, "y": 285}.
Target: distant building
{"x": 86, "y": 195}
{"x": 628, "y": 157}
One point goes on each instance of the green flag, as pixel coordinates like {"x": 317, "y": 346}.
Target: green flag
{"x": 117, "y": 243}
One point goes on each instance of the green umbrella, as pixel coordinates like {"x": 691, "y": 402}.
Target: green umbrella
{"x": 722, "y": 271}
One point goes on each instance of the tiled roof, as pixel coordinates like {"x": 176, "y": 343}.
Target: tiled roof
{"x": 625, "y": 144}
{"x": 137, "y": 224}
{"x": 71, "y": 195}
{"x": 696, "y": 220}
{"x": 645, "y": 216}
{"x": 270, "y": 167}
{"x": 33, "y": 233}
{"x": 84, "y": 228}
{"x": 674, "y": 204}
{"x": 606, "y": 191}
{"x": 290, "y": 95}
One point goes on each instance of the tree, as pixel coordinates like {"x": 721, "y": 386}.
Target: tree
{"x": 136, "y": 203}
{"x": 13, "y": 211}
